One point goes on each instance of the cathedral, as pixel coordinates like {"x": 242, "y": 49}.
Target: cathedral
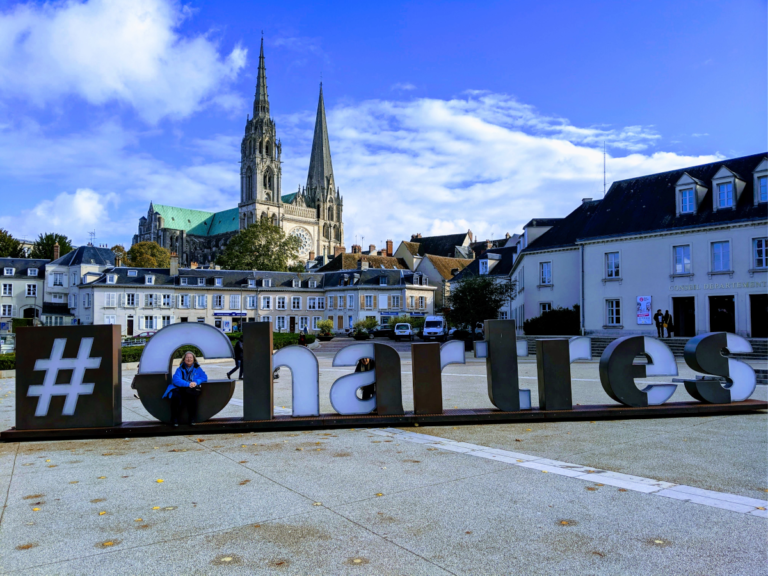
{"x": 312, "y": 213}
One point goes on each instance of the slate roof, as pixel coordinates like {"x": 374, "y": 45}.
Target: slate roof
{"x": 20, "y": 266}
{"x": 564, "y": 231}
{"x": 349, "y": 261}
{"x": 87, "y": 255}
{"x": 445, "y": 265}
{"x": 370, "y": 277}
{"x": 199, "y": 222}
{"x": 648, "y": 203}
{"x": 440, "y": 245}
{"x": 502, "y": 268}
{"x": 479, "y": 247}
{"x": 56, "y": 309}
{"x": 537, "y": 222}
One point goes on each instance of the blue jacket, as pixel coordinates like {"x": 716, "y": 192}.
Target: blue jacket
{"x": 183, "y": 376}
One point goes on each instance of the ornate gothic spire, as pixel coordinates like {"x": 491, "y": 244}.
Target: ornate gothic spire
{"x": 261, "y": 100}
{"x": 320, "y": 167}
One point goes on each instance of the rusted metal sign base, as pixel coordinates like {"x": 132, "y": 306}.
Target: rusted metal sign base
{"x": 449, "y": 417}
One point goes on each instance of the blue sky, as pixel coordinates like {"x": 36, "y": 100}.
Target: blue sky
{"x": 443, "y": 116}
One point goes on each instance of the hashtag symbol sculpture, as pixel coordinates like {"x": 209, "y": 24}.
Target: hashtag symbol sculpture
{"x": 76, "y": 386}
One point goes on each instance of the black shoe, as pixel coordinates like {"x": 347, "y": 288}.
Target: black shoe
{"x": 229, "y": 375}
{"x": 175, "y": 424}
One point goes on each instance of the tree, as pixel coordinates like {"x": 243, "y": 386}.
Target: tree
{"x": 325, "y": 326}
{"x": 43, "y": 246}
{"x": 477, "y": 298}
{"x": 119, "y": 251}
{"x": 560, "y": 322}
{"x": 9, "y": 246}
{"x": 261, "y": 246}
{"x": 148, "y": 255}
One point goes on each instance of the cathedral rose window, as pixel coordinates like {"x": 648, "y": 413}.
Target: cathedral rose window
{"x": 306, "y": 240}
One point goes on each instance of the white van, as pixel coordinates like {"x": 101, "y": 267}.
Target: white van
{"x": 435, "y": 328}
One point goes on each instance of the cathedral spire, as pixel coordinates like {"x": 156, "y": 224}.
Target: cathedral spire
{"x": 261, "y": 100}
{"x": 320, "y": 168}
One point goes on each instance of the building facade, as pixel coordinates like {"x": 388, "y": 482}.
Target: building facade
{"x": 22, "y": 282}
{"x": 314, "y": 213}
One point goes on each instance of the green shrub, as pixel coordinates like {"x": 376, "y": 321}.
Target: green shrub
{"x": 20, "y": 322}
{"x": 325, "y": 326}
{"x": 7, "y": 361}
{"x": 557, "y": 322}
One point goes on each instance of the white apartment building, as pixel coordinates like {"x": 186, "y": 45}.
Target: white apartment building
{"x": 21, "y": 290}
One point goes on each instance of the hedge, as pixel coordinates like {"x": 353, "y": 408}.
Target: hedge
{"x": 133, "y": 353}
{"x": 560, "y": 321}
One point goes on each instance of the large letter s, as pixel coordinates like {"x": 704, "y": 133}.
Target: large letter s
{"x": 704, "y": 354}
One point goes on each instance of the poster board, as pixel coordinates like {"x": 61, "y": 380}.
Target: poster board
{"x": 644, "y": 314}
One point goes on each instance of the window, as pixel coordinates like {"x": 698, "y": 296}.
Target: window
{"x": 762, "y": 188}
{"x": 296, "y": 303}
{"x": 251, "y": 283}
{"x": 183, "y": 281}
{"x": 422, "y": 302}
{"x": 201, "y": 281}
{"x": 280, "y": 303}
{"x": 54, "y": 321}
{"x": 721, "y": 256}
{"x": 613, "y": 312}
{"x": 165, "y": 321}
{"x": 7, "y": 310}
{"x": 411, "y": 301}
{"x": 296, "y": 283}
{"x": 73, "y": 277}
{"x": 218, "y": 281}
{"x": 72, "y": 301}
{"x": 266, "y": 302}
{"x": 130, "y": 300}
{"x": 110, "y": 319}
{"x": 58, "y": 279}
{"x": 149, "y": 279}
{"x": 130, "y": 273}
{"x": 251, "y": 302}
{"x": 234, "y": 302}
{"x": 57, "y": 298}
{"x": 686, "y": 201}
{"x": 682, "y": 259}
{"x": 545, "y": 273}
{"x": 149, "y": 322}
{"x": 315, "y": 320}
{"x": 149, "y": 300}
{"x": 321, "y": 303}
{"x": 32, "y": 290}
{"x": 311, "y": 303}
{"x": 218, "y": 301}
{"x": 200, "y": 320}
{"x": 424, "y": 281}
{"x": 167, "y": 300}
{"x": 350, "y": 301}
{"x": 725, "y": 195}
{"x": 8, "y": 271}
{"x": 612, "y": 265}
{"x": 368, "y": 301}
{"x": 266, "y": 318}
{"x": 340, "y": 300}
{"x": 7, "y": 289}
{"x": 760, "y": 246}
{"x": 503, "y": 315}
{"x": 110, "y": 300}
{"x": 483, "y": 266}
{"x": 303, "y": 322}
{"x": 280, "y": 325}
{"x": 31, "y": 271}
{"x": 313, "y": 283}
{"x": 267, "y": 282}
{"x": 395, "y": 300}
{"x": 330, "y": 302}
{"x": 202, "y": 302}
{"x": 87, "y": 300}
{"x": 111, "y": 278}
{"x": 382, "y": 280}
{"x": 544, "y": 307}
{"x": 183, "y": 300}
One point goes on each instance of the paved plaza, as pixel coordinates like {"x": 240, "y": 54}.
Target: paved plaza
{"x": 669, "y": 496}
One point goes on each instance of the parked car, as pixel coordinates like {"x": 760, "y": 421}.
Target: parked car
{"x": 148, "y": 334}
{"x": 435, "y": 328}
{"x": 403, "y": 331}
{"x": 382, "y": 331}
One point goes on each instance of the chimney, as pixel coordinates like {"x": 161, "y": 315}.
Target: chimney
{"x": 390, "y": 248}
{"x": 471, "y": 237}
{"x": 118, "y": 261}
{"x": 311, "y": 255}
{"x": 488, "y": 244}
{"x": 56, "y": 251}
{"x": 357, "y": 249}
{"x": 174, "y": 264}
{"x": 372, "y": 249}
{"x": 507, "y": 236}
{"x": 363, "y": 264}
{"x": 585, "y": 200}
{"x": 193, "y": 265}
{"x": 338, "y": 250}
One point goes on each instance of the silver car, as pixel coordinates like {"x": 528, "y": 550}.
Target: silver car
{"x": 403, "y": 331}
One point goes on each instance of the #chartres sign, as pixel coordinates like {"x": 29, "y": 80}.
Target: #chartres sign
{"x": 70, "y": 376}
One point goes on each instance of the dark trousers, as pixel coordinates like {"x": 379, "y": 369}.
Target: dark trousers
{"x": 366, "y": 392}
{"x": 181, "y": 397}
{"x": 660, "y": 330}
{"x": 238, "y": 364}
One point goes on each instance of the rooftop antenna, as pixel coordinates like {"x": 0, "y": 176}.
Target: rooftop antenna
{"x": 603, "y": 168}
{"x": 93, "y": 237}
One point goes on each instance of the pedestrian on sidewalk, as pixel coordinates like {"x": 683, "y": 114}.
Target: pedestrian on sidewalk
{"x": 238, "y": 359}
{"x": 659, "y": 318}
{"x": 668, "y": 323}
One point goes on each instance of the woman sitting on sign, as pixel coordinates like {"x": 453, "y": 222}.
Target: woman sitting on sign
{"x": 185, "y": 388}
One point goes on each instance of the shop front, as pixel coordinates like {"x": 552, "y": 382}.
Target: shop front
{"x": 229, "y": 321}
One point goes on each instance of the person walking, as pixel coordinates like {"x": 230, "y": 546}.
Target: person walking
{"x": 238, "y": 359}
{"x": 667, "y": 323}
{"x": 185, "y": 388}
{"x": 659, "y": 319}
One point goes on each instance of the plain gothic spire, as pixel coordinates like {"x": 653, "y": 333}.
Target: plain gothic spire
{"x": 320, "y": 175}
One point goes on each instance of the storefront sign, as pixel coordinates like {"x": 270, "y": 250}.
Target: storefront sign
{"x": 718, "y": 286}
{"x": 644, "y": 310}
{"x": 69, "y": 377}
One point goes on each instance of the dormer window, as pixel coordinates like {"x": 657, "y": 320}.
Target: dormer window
{"x": 296, "y": 284}
{"x": 251, "y": 283}
{"x": 762, "y": 189}
{"x": 9, "y": 271}
{"x": 111, "y": 278}
{"x": 31, "y": 271}
{"x": 183, "y": 281}
{"x": 313, "y": 283}
{"x": 725, "y": 195}
{"x": 201, "y": 281}
{"x": 218, "y": 281}
{"x": 267, "y": 282}
{"x": 483, "y": 266}
{"x": 382, "y": 280}
{"x": 149, "y": 280}
{"x": 424, "y": 281}
{"x": 760, "y": 182}
{"x": 132, "y": 273}
{"x": 687, "y": 201}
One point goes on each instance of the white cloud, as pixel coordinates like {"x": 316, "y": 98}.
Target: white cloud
{"x": 129, "y": 51}
{"x": 403, "y": 86}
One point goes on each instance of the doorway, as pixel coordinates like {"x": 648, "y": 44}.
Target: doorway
{"x": 684, "y": 316}
{"x": 722, "y": 314}
{"x": 340, "y": 323}
{"x": 758, "y": 306}
{"x": 129, "y": 327}
{"x": 292, "y": 324}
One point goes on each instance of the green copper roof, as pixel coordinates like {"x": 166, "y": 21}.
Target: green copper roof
{"x": 198, "y": 222}
{"x": 288, "y": 198}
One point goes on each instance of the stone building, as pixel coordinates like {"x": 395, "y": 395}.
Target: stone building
{"x": 314, "y": 213}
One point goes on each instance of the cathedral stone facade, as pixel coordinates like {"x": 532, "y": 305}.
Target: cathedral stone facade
{"x": 312, "y": 213}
